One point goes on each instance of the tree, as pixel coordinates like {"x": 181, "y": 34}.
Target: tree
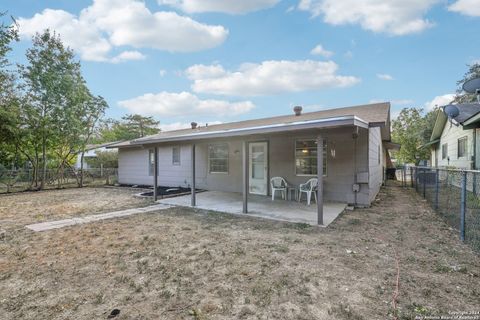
{"x": 131, "y": 126}
{"x": 412, "y": 130}
{"x": 59, "y": 112}
{"x": 461, "y": 96}
{"x": 9, "y": 102}
{"x": 107, "y": 159}
{"x": 141, "y": 126}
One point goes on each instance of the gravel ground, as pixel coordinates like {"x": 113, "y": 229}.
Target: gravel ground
{"x": 193, "y": 264}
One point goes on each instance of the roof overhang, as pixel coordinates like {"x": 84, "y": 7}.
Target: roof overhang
{"x": 431, "y": 143}
{"x": 439, "y": 125}
{"x": 326, "y": 123}
{"x": 473, "y": 122}
{"x": 391, "y": 145}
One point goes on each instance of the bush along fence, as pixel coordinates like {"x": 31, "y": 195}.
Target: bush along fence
{"x": 22, "y": 180}
{"x": 453, "y": 194}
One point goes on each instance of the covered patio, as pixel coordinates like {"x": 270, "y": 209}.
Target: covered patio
{"x": 260, "y": 206}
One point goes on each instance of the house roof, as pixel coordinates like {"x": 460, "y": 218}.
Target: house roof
{"x": 468, "y": 114}
{"x": 377, "y": 114}
{"x": 89, "y": 147}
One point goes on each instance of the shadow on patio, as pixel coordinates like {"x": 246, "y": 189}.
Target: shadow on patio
{"x": 260, "y": 206}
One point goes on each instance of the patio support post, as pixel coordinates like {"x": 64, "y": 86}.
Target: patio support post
{"x": 320, "y": 180}
{"x": 194, "y": 200}
{"x": 155, "y": 173}
{"x": 245, "y": 176}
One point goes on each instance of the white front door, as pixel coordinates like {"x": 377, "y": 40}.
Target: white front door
{"x": 258, "y": 167}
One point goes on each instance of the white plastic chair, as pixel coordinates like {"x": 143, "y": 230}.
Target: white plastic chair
{"x": 279, "y": 184}
{"x": 308, "y": 188}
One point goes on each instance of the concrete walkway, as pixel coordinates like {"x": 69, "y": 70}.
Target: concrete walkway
{"x": 49, "y": 225}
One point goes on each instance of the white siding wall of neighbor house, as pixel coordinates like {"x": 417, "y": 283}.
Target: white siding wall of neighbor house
{"x": 450, "y": 135}
{"x": 477, "y": 150}
{"x": 375, "y": 162}
{"x": 133, "y": 164}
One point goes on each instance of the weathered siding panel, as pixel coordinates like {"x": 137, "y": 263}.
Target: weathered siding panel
{"x": 450, "y": 135}
{"x": 375, "y": 162}
{"x": 133, "y": 166}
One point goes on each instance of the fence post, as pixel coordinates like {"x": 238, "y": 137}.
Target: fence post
{"x": 463, "y": 205}
{"x": 416, "y": 179}
{"x": 437, "y": 178}
{"x": 474, "y": 183}
{"x": 424, "y": 183}
{"x": 411, "y": 177}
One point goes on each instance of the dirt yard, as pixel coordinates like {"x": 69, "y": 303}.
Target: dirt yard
{"x": 187, "y": 264}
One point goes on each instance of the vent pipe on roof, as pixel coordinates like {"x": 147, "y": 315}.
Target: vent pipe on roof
{"x": 297, "y": 110}
{"x": 194, "y": 125}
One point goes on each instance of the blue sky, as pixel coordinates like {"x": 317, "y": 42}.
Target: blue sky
{"x": 220, "y": 61}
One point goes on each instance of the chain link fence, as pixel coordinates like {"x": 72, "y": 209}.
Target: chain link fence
{"x": 452, "y": 193}
{"x": 22, "y": 180}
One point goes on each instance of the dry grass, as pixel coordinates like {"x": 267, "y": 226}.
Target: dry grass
{"x": 186, "y": 264}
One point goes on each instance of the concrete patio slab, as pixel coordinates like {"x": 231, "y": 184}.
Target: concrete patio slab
{"x": 49, "y": 225}
{"x": 260, "y": 206}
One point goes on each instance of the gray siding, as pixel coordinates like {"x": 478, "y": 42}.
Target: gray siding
{"x": 133, "y": 164}
{"x": 375, "y": 162}
{"x": 450, "y": 135}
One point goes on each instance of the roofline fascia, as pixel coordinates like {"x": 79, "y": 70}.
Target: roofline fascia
{"x": 471, "y": 120}
{"x": 440, "y": 117}
{"x": 276, "y": 128}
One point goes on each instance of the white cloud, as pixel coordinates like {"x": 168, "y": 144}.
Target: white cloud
{"x": 128, "y": 55}
{"x": 466, "y": 7}
{"x": 224, "y": 6}
{"x": 395, "y": 17}
{"x": 184, "y": 103}
{"x": 83, "y": 37}
{"x": 320, "y": 51}
{"x": 384, "y": 76}
{"x": 439, "y": 101}
{"x": 107, "y": 24}
{"x": 183, "y": 125}
{"x": 162, "y": 72}
{"x": 268, "y": 77}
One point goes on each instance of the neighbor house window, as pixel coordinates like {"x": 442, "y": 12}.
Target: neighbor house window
{"x": 444, "y": 151}
{"x": 218, "y": 158}
{"x": 176, "y": 156}
{"x": 151, "y": 162}
{"x": 306, "y": 157}
{"x": 462, "y": 147}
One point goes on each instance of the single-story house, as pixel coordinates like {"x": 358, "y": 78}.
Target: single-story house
{"x": 456, "y": 142}
{"x": 345, "y": 148}
{"x": 91, "y": 152}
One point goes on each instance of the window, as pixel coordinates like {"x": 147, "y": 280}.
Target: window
{"x": 151, "y": 162}
{"x": 444, "y": 151}
{"x": 306, "y": 157}
{"x": 218, "y": 158}
{"x": 176, "y": 156}
{"x": 462, "y": 147}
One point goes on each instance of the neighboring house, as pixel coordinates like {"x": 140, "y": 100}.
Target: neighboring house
{"x": 456, "y": 143}
{"x": 91, "y": 152}
{"x": 242, "y": 156}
